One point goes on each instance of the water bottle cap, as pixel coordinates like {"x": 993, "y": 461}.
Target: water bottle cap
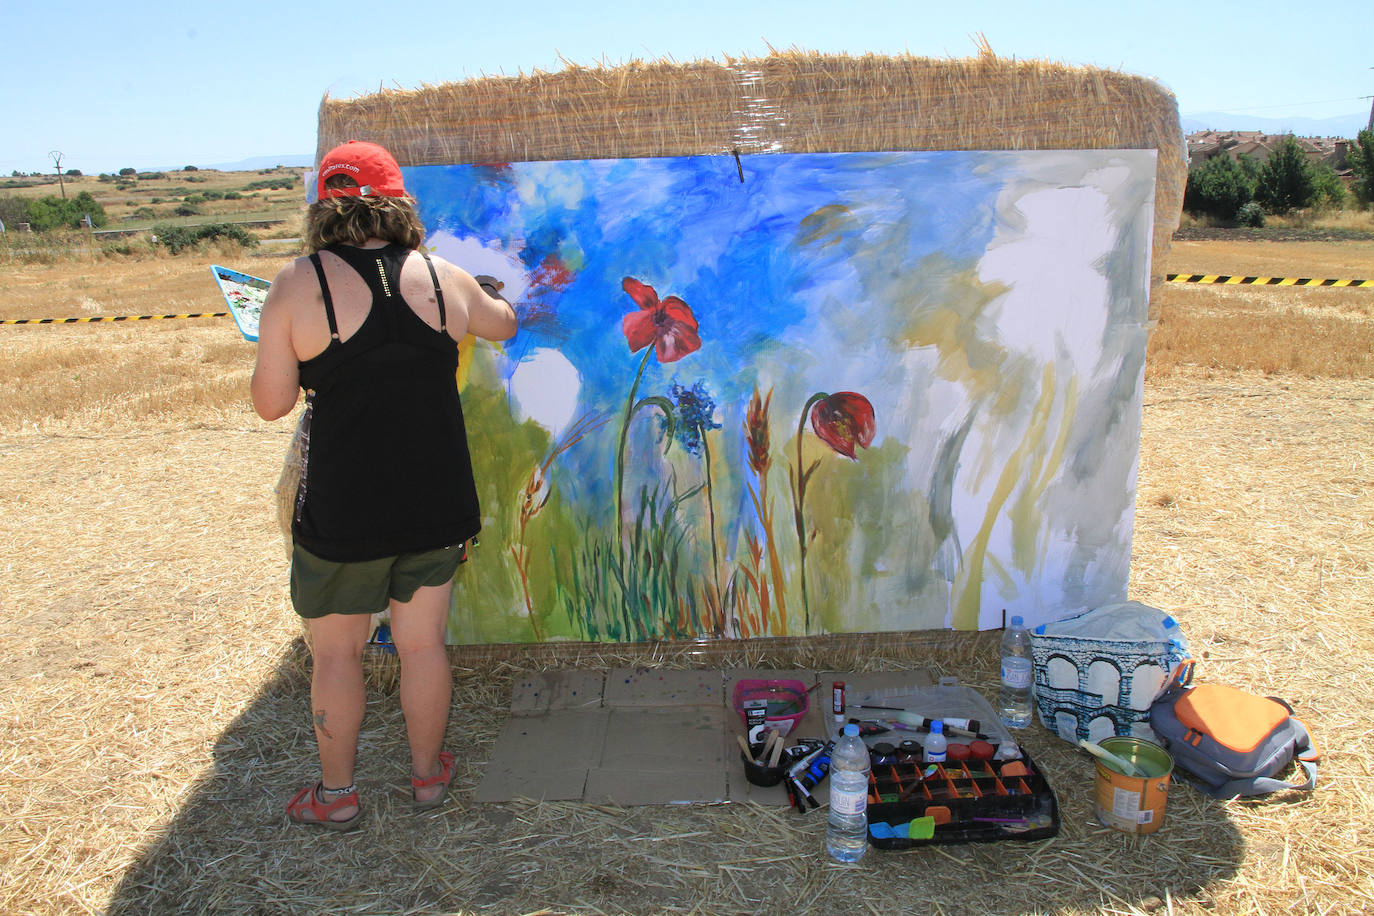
{"x": 851, "y": 730}
{"x": 1016, "y": 621}
{"x": 937, "y": 727}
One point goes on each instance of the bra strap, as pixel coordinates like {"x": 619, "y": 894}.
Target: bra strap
{"x": 328, "y": 299}
{"x": 438, "y": 293}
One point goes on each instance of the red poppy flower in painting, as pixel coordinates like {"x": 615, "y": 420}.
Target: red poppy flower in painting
{"x": 844, "y": 420}
{"x": 669, "y": 325}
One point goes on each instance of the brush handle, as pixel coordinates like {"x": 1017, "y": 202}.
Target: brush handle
{"x": 1100, "y": 752}
{"x": 919, "y": 721}
{"x": 777, "y": 752}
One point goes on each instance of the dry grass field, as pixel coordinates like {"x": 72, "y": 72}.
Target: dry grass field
{"x": 154, "y": 714}
{"x": 139, "y": 202}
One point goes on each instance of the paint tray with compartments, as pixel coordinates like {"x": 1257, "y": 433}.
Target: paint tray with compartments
{"x": 987, "y": 789}
{"x": 913, "y": 804}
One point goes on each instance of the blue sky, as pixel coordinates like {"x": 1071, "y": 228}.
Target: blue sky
{"x": 142, "y": 85}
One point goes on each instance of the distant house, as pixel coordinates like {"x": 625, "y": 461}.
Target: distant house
{"x": 1208, "y": 144}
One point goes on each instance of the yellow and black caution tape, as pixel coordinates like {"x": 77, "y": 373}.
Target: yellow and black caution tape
{"x": 1262, "y": 281}
{"x": 110, "y": 318}
{"x": 1171, "y": 278}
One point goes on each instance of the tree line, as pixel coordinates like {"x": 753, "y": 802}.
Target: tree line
{"x": 52, "y": 212}
{"x": 1244, "y": 191}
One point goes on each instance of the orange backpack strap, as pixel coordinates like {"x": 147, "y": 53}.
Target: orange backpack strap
{"x": 1306, "y": 749}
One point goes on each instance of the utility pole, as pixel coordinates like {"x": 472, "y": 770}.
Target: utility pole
{"x": 56, "y": 156}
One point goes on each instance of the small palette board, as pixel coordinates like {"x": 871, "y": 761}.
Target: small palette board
{"x": 245, "y": 295}
{"x": 912, "y": 804}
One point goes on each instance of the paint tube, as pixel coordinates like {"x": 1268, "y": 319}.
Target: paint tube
{"x": 818, "y": 767}
{"x": 803, "y": 763}
{"x": 972, "y": 726}
{"x": 964, "y": 727}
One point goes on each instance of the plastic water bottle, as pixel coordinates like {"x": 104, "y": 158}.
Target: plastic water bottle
{"x": 846, "y": 834}
{"x": 1014, "y": 699}
{"x": 936, "y": 743}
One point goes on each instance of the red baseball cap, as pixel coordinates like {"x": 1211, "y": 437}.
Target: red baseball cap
{"x": 371, "y": 166}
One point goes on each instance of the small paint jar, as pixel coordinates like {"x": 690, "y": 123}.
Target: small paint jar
{"x": 909, "y": 753}
{"x": 882, "y": 754}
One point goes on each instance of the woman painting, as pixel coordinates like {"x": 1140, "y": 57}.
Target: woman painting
{"x": 368, "y": 325}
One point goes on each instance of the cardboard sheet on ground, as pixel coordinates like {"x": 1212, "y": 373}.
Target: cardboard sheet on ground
{"x": 648, "y": 737}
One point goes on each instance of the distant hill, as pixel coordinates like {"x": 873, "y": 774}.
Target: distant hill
{"x": 304, "y": 160}
{"x": 1346, "y": 126}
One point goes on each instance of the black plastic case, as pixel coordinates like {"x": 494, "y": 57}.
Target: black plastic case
{"x": 986, "y": 800}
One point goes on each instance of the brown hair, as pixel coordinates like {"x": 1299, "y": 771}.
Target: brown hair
{"x": 354, "y": 220}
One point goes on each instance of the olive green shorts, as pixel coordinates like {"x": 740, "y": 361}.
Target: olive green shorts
{"x": 320, "y": 587}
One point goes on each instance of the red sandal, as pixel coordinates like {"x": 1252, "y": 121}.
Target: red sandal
{"x": 306, "y": 807}
{"x": 444, "y": 777}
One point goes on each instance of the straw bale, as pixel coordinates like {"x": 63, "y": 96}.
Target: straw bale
{"x": 794, "y": 102}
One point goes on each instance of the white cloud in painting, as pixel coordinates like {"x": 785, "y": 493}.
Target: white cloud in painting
{"x": 1049, "y": 254}
{"x": 549, "y": 185}
{"x": 544, "y": 388}
{"x": 477, "y": 257}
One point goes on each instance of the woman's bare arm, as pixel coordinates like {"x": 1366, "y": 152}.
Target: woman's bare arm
{"x": 276, "y": 376}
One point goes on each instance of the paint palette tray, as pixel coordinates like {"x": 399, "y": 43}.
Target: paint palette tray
{"x": 968, "y": 802}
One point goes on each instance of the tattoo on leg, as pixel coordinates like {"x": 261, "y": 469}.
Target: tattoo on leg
{"x": 319, "y": 724}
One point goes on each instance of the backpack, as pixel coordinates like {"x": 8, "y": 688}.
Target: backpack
{"x": 1228, "y": 742}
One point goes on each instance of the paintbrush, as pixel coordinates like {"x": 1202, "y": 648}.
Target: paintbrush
{"x": 921, "y": 777}
{"x": 1121, "y": 763}
{"x": 768, "y": 743}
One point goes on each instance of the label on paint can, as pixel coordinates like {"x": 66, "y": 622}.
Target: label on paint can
{"x": 1126, "y": 805}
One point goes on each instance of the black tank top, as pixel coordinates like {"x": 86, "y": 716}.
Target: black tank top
{"x": 386, "y": 469}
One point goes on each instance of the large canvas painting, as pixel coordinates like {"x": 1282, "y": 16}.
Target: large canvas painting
{"x": 801, "y": 393}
